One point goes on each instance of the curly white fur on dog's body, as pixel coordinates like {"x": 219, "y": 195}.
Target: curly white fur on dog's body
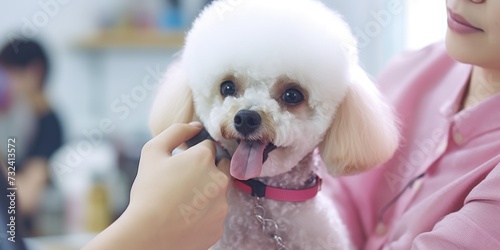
{"x": 294, "y": 218}
{"x": 267, "y": 47}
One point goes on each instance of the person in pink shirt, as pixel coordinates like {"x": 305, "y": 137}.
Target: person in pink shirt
{"x": 441, "y": 190}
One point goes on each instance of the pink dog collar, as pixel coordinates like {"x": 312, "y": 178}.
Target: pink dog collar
{"x": 259, "y": 189}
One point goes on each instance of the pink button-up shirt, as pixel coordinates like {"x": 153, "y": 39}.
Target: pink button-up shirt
{"x": 456, "y": 204}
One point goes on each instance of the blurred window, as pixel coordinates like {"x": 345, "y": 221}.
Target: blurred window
{"x": 425, "y": 21}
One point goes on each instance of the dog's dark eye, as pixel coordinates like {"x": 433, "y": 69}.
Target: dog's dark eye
{"x": 227, "y": 88}
{"x": 292, "y": 96}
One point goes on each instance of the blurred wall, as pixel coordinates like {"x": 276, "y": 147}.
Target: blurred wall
{"x": 379, "y": 26}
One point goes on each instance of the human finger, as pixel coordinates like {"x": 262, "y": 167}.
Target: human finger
{"x": 223, "y": 166}
{"x": 172, "y": 137}
{"x": 207, "y": 144}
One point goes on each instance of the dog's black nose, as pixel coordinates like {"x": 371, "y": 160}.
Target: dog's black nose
{"x": 247, "y": 121}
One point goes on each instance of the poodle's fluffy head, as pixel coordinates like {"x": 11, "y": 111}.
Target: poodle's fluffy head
{"x": 273, "y": 79}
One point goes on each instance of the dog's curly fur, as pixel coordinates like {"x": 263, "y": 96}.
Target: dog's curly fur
{"x": 266, "y": 48}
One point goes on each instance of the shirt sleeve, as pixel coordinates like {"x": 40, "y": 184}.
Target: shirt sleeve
{"x": 475, "y": 226}
{"x": 48, "y": 137}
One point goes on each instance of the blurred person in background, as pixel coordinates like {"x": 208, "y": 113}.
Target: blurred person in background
{"x": 25, "y": 113}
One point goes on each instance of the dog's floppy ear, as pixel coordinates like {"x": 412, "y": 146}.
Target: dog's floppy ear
{"x": 174, "y": 102}
{"x": 363, "y": 132}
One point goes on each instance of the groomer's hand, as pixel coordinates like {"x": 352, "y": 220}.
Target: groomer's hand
{"x": 176, "y": 202}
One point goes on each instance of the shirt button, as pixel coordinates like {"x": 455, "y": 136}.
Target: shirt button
{"x": 441, "y": 147}
{"x": 458, "y": 138}
{"x": 381, "y": 229}
{"x": 416, "y": 185}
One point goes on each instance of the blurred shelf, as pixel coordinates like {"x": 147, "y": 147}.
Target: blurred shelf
{"x": 133, "y": 39}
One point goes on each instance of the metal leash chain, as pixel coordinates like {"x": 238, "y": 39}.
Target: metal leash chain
{"x": 269, "y": 226}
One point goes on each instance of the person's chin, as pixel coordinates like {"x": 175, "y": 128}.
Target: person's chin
{"x": 464, "y": 49}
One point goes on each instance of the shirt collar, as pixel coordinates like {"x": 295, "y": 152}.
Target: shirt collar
{"x": 475, "y": 120}
{"x": 458, "y": 76}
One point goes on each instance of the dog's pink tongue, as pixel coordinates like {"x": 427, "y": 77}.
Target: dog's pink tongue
{"x": 246, "y": 162}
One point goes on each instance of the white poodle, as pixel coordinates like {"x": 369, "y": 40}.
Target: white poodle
{"x": 277, "y": 84}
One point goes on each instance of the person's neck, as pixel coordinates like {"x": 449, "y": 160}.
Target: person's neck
{"x": 483, "y": 84}
{"x": 39, "y": 104}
